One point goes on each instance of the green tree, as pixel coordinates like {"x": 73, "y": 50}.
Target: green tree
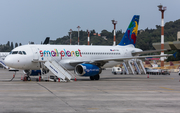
{"x": 8, "y": 44}
{"x": 16, "y": 44}
{"x": 12, "y": 46}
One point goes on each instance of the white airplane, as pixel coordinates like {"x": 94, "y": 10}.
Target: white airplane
{"x": 83, "y": 59}
{"x": 4, "y": 54}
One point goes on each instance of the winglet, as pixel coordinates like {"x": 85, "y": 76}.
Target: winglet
{"x": 175, "y": 54}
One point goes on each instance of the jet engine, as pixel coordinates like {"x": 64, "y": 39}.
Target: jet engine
{"x": 87, "y": 70}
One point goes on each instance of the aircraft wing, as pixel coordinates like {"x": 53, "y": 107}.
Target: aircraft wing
{"x": 74, "y": 63}
{"x": 133, "y": 57}
{"x": 103, "y": 61}
{"x": 145, "y": 52}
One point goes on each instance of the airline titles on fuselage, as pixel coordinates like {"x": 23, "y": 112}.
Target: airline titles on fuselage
{"x": 68, "y": 53}
{"x": 63, "y": 53}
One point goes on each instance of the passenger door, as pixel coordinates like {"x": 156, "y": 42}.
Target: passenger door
{"x": 35, "y": 54}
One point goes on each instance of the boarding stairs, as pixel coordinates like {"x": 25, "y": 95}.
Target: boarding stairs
{"x": 130, "y": 62}
{"x": 137, "y": 67}
{"x": 131, "y": 65}
{"x": 58, "y": 70}
{"x": 2, "y": 63}
{"x": 141, "y": 66}
{"x": 125, "y": 68}
{"x": 128, "y": 67}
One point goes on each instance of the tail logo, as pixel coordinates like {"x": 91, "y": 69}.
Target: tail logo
{"x": 131, "y": 32}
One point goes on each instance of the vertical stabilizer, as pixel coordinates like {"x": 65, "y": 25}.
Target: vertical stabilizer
{"x": 131, "y": 32}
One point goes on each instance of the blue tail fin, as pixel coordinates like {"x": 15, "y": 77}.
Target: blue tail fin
{"x": 131, "y": 32}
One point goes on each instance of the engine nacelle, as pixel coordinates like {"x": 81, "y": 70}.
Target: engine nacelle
{"x": 87, "y": 70}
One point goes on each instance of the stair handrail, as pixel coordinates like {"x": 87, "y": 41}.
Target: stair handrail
{"x": 72, "y": 75}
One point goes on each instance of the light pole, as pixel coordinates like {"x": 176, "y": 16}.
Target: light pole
{"x": 70, "y": 35}
{"x": 88, "y": 36}
{"x": 162, "y": 9}
{"x": 114, "y": 22}
{"x": 78, "y": 33}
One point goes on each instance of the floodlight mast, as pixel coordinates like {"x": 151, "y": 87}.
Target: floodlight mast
{"x": 78, "y": 33}
{"x": 162, "y": 9}
{"x": 114, "y": 22}
{"x": 88, "y": 36}
{"x": 70, "y": 35}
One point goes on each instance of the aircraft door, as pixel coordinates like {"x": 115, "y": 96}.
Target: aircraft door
{"x": 124, "y": 52}
{"x": 35, "y": 54}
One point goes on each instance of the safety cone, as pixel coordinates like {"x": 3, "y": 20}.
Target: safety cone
{"x": 24, "y": 78}
{"x": 21, "y": 77}
{"x": 75, "y": 78}
{"x": 148, "y": 76}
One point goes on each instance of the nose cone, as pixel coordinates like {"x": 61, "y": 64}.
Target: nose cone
{"x": 8, "y": 61}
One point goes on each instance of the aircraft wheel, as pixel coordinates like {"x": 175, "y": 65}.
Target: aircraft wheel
{"x": 54, "y": 79}
{"x": 91, "y": 77}
{"x": 29, "y": 79}
{"x": 96, "y": 77}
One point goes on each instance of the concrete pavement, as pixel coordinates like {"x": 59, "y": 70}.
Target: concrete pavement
{"x": 111, "y": 94}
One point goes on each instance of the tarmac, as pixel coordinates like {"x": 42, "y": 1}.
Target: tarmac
{"x": 110, "y": 94}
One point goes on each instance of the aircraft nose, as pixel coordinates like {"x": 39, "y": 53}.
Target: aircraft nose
{"x": 8, "y": 61}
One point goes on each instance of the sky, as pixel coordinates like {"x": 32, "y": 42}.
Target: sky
{"x": 23, "y": 21}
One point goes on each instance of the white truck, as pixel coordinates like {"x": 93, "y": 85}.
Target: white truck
{"x": 117, "y": 70}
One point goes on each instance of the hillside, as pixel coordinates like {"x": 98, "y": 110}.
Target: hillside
{"x": 145, "y": 38}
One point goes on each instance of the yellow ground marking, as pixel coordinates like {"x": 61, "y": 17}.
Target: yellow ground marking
{"x": 166, "y": 88}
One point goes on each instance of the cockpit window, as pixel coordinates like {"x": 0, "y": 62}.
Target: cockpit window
{"x": 24, "y": 52}
{"x": 20, "y": 52}
{"x": 14, "y": 52}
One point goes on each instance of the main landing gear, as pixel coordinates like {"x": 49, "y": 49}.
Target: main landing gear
{"x": 95, "y": 77}
{"x": 26, "y": 78}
